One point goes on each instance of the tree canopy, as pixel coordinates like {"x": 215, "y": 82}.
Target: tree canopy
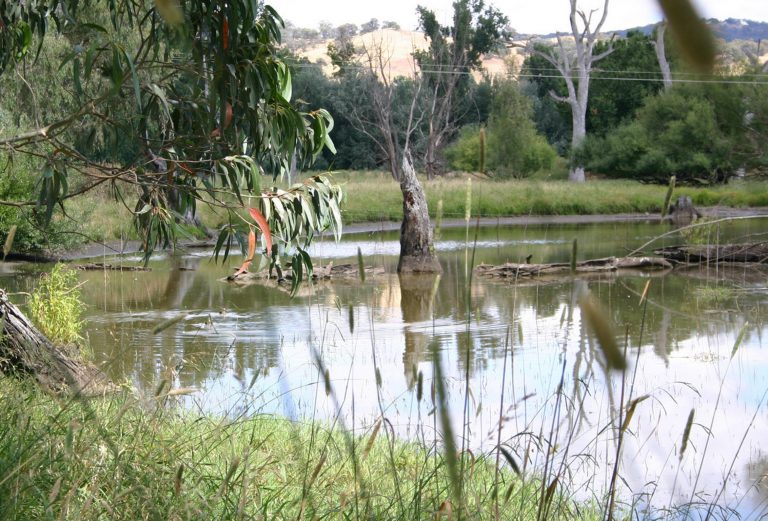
{"x": 179, "y": 105}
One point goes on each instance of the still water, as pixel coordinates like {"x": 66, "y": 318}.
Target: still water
{"x": 520, "y": 366}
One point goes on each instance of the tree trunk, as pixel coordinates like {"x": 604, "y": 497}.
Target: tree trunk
{"x": 661, "y": 56}
{"x": 579, "y": 111}
{"x": 431, "y": 165}
{"x": 25, "y": 350}
{"x": 417, "y": 253}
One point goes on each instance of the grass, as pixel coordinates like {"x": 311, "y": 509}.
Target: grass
{"x": 55, "y": 305}
{"x": 375, "y": 196}
{"x": 118, "y": 458}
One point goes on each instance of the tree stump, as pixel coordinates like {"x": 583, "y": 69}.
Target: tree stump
{"x": 25, "y": 350}
{"x": 682, "y": 212}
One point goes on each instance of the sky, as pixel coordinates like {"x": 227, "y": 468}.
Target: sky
{"x": 525, "y": 16}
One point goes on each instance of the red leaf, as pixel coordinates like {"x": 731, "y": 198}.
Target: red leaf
{"x": 263, "y": 226}
{"x": 225, "y": 33}
{"x": 251, "y": 253}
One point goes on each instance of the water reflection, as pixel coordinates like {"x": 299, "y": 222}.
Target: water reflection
{"x": 252, "y": 348}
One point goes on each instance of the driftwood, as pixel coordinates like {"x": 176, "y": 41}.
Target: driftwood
{"x": 708, "y": 253}
{"x": 608, "y": 264}
{"x": 100, "y": 266}
{"x": 25, "y": 350}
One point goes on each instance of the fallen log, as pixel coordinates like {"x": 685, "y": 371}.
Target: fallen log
{"x": 608, "y": 264}
{"x": 25, "y": 350}
{"x": 756, "y": 252}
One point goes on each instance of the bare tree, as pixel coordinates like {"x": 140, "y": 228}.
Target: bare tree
{"x": 575, "y": 66}
{"x": 453, "y": 53}
{"x": 661, "y": 55}
{"x": 394, "y": 138}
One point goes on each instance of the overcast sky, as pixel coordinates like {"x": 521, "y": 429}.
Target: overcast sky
{"x": 526, "y": 16}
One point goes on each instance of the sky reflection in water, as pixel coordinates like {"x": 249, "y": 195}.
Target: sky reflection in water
{"x": 253, "y": 349}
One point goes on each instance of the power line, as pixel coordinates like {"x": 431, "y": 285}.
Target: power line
{"x": 596, "y": 75}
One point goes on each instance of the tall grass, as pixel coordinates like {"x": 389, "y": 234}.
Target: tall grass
{"x": 120, "y": 458}
{"x": 374, "y": 196}
{"x": 56, "y": 307}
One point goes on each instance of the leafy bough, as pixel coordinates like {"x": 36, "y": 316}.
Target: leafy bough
{"x": 176, "y": 105}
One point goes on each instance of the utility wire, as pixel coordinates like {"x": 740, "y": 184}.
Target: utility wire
{"x": 596, "y": 75}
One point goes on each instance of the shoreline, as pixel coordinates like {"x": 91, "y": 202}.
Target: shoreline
{"x": 117, "y": 248}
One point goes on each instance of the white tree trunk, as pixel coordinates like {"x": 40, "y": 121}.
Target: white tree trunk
{"x": 661, "y": 56}
{"x": 577, "y": 64}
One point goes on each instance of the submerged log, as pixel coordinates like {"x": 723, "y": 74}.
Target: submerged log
{"x": 608, "y": 264}
{"x": 756, "y": 252}
{"x": 100, "y": 266}
{"x": 327, "y": 272}
{"x": 25, "y": 350}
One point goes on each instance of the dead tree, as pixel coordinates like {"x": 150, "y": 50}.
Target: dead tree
{"x": 393, "y": 138}
{"x": 682, "y": 212}
{"x": 661, "y": 55}
{"x": 24, "y": 350}
{"x": 576, "y": 67}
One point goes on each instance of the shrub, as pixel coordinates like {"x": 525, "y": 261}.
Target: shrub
{"x": 515, "y": 149}
{"x": 464, "y": 153}
{"x": 55, "y": 305}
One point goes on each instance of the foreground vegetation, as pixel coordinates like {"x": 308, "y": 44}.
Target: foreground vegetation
{"x": 119, "y": 458}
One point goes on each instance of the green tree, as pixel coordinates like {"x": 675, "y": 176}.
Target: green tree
{"x": 454, "y": 51}
{"x": 624, "y": 79}
{"x": 697, "y": 132}
{"x": 211, "y": 112}
{"x": 515, "y": 149}
{"x": 354, "y": 149}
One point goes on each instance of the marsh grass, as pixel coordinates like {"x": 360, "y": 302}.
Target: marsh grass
{"x": 56, "y": 307}
{"x": 373, "y": 197}
{"x": 119, "y": 458}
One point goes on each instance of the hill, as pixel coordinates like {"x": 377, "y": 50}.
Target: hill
{"x": 740, "y": 36}
{"x": 398, "y": 46}
{"x": 729, "y": 30}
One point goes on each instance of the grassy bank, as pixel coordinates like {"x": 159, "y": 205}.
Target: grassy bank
{"x": 374, "y": 197}
{"x": 115, "y": 458}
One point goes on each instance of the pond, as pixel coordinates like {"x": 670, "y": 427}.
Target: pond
{"x": 520, "y": 366}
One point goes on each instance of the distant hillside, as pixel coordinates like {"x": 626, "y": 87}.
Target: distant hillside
{"x": 397, "y": 46}
{"x": 729, "y": 30}
{"x": 741, "y": 35}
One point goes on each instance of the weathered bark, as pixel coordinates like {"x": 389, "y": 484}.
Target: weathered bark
{"x": 417, "y": 253}
{"x": 708, "y": 253}
{"x": 609, "y": 264}
{"x": 682, "y": 212}
{"x": 25, "y": 350}
{"x": 661, "y": 55}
